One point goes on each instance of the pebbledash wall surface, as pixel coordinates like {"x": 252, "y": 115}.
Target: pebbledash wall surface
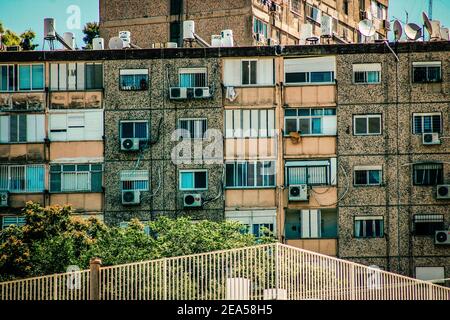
{"x": 381, "y": 208}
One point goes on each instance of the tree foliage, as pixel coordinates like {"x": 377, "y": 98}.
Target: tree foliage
{"x": 52, "y": 239}
{"x": 25, "y": 40}
{"x": 90, "y": 30}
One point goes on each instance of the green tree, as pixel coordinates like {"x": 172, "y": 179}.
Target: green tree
{"x": 27, "y": 40}
{"x": 10, "y": 38}
{"x": 90, "y": 30}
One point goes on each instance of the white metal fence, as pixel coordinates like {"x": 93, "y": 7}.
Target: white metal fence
{"x": 272, "y": 271}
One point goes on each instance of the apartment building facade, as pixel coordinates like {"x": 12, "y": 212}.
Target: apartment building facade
{"x": 337, "y": 149}
{"x": 254, "y": 22}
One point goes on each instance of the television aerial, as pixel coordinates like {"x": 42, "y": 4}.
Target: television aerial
{"x": 413, "y": 31}
{"x": 366, "y": 28}
{"x": 398, "y": 30}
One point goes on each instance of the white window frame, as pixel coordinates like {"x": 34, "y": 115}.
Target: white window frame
{"x": 367, "y": 169}
{"x": 309, "y": 7}
{"x": 422, "y": 115}
{"x": 195, "y": 133}
{"x": 134, "y": 175}
{"x": 253, "y": 217}
{"x": 249, "y": 72}
{"x": 426, "y": 64}
{"x": 193, "y": 171}
{"x": 367, "y": 117}
{"x": 134, "y": 72}
{"x": 310, "y": 118}
{"x": 255, "y": 174}
{"x": 8, "y": 78}
{"x": 366, "y": 68}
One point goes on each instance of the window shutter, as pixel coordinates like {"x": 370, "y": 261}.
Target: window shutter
{"x": 329, "y": 125}
{"x": 93, "y": 125}
{"x": 229, "y": 124}
{"x": 270, "y": 123}
{"x": 4, "y": 129}
{"x": 246, "y": 123}
{"x": 62, "y": 76}
{"x": 54, "y": 76}
{"x": 71, "y": 76}
{"x": 80, "y": 76}
{"x": 305, "y": 223}
{"x": 315, "y": 223}
{"x": 263, "y": 123}
{"x": 232, "y": 74}
{"x": 265, "y": 72}
{"x": 58, "y": 127}
{"x": 13, "y": 128}
{"x": 237, "y": 123}
{"x": 75, "y": 127}
{"x": 22, "y": 128}
{"x": 31, "y": 128}
{"x": 333, "y": 171}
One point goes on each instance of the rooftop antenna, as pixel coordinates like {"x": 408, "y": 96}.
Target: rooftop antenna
{"x": 51, "y": 35}
{"x": 366, "y": 28}
{"x": 398, "y": 30}
{"x": 430, "y": 9}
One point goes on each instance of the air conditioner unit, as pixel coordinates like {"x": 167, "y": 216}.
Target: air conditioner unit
{"x": 131, "y": 197}
{"x": 192, "y": 200}
{"x": 201, "y": 92}
{"x": 442, "y": 237}
{"x": 4, "y": 199}
{"x": 298, "y": 192}
{"x": 443, "y": 191}
{"x": 129, "y": 144}
{"x": 260, "y": 38}
{"x": 178, "y": 93}
{"x": 430, "y": 138}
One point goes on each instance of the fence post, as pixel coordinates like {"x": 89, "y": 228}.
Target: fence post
{"x": 94, "y": 278}
{"x": 430, "y": 292}
{"x": 352, "y": 282}
{"x": 55, "y": 287}
{"x": 277, "y": 270}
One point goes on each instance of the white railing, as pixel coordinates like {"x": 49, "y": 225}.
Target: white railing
{"x": 271, "y": 271}
{"x": 62, "y": 286}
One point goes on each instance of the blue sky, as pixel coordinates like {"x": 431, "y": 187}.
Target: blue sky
{"x": 65, "y": 12}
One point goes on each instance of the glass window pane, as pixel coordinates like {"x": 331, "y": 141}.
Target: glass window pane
{"x": 83, "y": 181}
{"x": 360, "y": 177}
{"x": 374, "y": 125}
{"x": 24, "y": 78}
{"x": 304, "y": 112}
{"x": 304, "y": 126}
{"x": 427, "y": 124}
{"x": 96, "y": 182}
{"x": 316, "y": 125}
{"x": 296, "y": 77}
{"x": 245, "y": 72}
{"x": 253, "y": 72}
{"x": 55, "y": 182}
{"x": 187, "y": 180}
{"x": 140, "y": 130}
{"x": 373, "y": 76}
{"x": 291, "y": 125}
{"x": 434, "y": 74}
{"x": 374, "y": 177}
{"x": 290, "y": 112}
{"x": 369, "y": 228}
{"x": 360, "y": 125}
{"x": 417, "y": 124}
{"x": 38, "y": 77}
{"x": 251, "y": 174}
{"x": 200, "y": 180}
{"x": 419, "y": 74}
{"x": 359, "y": 77}
{"x": 321, "y": 76}
{"x": 229, "y": 174}
{"x": 127, "y": 130}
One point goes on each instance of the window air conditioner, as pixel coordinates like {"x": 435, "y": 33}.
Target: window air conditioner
{"x": 442, "y": 237}
{"x": 443, "y": 191}
{"x": 129, "y": 144}
{"x": 131, "y": 197}
{"x": 298, "y": 192}
{"x": 192, "y": 200}
{"x": 430, "y": 138}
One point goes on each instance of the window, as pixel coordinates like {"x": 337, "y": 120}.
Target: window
{"x": 13, "y": 221}
{"x": 312, "y": 13}
{"x": 310, "y": 121}
{"x": 94, "y": 76}
{"x": 428, "y": 174}
{"x": 22, "y": 178}
{"x": 310, "y": 224}
{"x": 243, "y": 123}
{"x": 295, "y": 6}
{"x": 366, "y": 73}
{"x": 259, "y": 27}
{"x": 260, "y": 229}
{"x": 76, "y": 126}
{"x": 76, "y": 177}
{"x": 31, "y": 77}
{"x": 427, "y": 123}
{"x": 248, "y": 72}
{"x": 309, "y": 70}
{"x": 367, "y": 176}
{"x": 345, "y": 6}
{"x": 364, "y": 125}
{"x": 314, "y": 172}
{"x": 174, "y": 31}
{"x": 431, "y": 273}
{"x": 253, "y": 221}
{"x": 427, "y": 224}
{"x": 196, "y": 128}
{"x": 193, "y": 179}
{"x": 176, "y": 7}
{"x": 22, "y": 128}
{"x": 8, "y": 78}
{"x": 369, "y": 227}
{"x": 134, "y": 129}
{"x": 134, "y": 79}
{"x": 134, "y": 180}
{"x": 243, "y": 174}
{"x": 427, "y": 72}
{"x": 192, "y": 77}
{"x": 67, "y": 76}
{"x": 379, "y": 11}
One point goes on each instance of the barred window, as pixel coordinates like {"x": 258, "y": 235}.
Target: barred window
{"x": 427, "y": 123}
{"x": 134, "y": 180}
{"x": 427, "y": 224}
{"x": 428, "y": 174}
{"x": 247, "y": 174}
{"x": 76, "y": 177}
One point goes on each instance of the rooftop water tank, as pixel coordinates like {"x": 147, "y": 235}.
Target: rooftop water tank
{"x": 188, "y": 30}
{"x": 49, "y": 28}
{"x": 227, "y": 38}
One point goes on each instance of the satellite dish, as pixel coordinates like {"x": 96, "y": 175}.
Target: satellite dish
{"x": 413, "y": 31}
{"x": 427, "y": 23}
{"x": 116, "y": 43}
{"x": 366, "y": 28}
{"x": 398, "y": 30}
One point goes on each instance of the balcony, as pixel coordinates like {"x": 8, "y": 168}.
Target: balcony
{"x": 310, "y": 146}
{"x": 22, "y": 101}
{"x": 30, "y": 152}
{"x": 250, "y": 198}
{"x": 76, "y": 100}
{"x": 92, "y": 202}
{"x": 252, "y": 96}
{"x": 250, "y": 148}
{"x": 309, "y": 95}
